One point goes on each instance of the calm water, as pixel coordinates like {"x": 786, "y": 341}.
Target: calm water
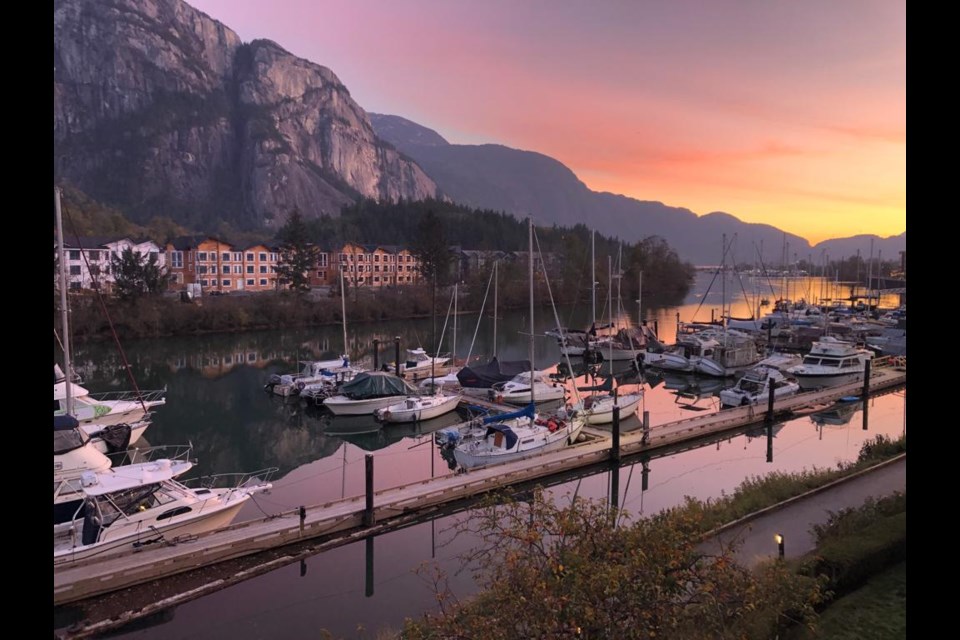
{"x": 216, "y": 401}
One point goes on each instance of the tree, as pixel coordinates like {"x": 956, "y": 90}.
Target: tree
{"x": 135, "y": 274}
{"x": 549, "y": 571}
{"x": 297, "y": 256}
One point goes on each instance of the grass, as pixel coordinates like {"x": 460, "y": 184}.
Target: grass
{"x": 876, "y": 611}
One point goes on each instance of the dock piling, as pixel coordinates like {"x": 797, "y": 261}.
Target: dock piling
{"x": 368, "y": 517}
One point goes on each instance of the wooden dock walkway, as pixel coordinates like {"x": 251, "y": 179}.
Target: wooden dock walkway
{"x": 95, "y": 578}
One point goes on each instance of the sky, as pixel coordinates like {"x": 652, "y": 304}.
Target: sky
{"x": 790, "y": 113}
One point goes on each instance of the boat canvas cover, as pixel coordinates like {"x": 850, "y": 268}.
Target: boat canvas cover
{"x": 377, "y": 384}
{"x": 486, "y": 375}
{"x": 606, "y": 386}
{"x": 527, "y": 412}
{"x": 506, "y": 431}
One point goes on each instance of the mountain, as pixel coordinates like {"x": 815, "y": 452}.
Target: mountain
{"x": 888, "y": 248}
{"x": 161, "y": 110}
{"x": 524, "y": 182}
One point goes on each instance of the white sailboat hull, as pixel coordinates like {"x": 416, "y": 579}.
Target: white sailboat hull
{"x": 418, "y": 410}
{"x": 601, "y": 410}
{"x": 481, "y": 452}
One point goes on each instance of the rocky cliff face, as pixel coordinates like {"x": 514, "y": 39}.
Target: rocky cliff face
{"x": 161, "y": 110}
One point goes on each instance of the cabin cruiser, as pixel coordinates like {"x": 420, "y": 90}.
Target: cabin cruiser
{"x": 419, "y": 362}
{"x": 131, "y": 508}
{"x": 830, "y": 363}
{"x": 108, "y": 408}
{"x": 313, "y": 374}
{"x": 754, "y": 387}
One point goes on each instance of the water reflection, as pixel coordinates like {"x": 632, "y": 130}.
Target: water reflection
{"x": 216, "y": 401}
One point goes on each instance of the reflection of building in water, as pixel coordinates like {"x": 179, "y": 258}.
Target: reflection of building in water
{"x": 214, "y": 365}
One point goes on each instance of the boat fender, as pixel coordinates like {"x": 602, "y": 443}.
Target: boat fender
{"x": 552, "y": 425}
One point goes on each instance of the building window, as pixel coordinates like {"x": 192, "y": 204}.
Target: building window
{"x": 263, "y": 257}
{"x": 263, "y": 282}
{"x": 204, "y": 283}
{"x": 249, "y": 268}
{"x": 322, "y": 260}
{"x": 201, "y": 256}
{"x": 94, "y": 256}
{"x": 237, "y": 268}
{"x": 376, "y": 267}
{"x": 323, "y": 275}
{"x": 75, "y": 286}
{"x": 74, "y": 269}
{"x": 74, "y": 255}
{"x": 263, "y": 268}
{"x": 249, "y": 257}
{"x": 376, "y": 278}
{"x": 226, "y": 283}
{"x": 226, "y": 269}
{"x": 202, "y": 269}
{"x": 237, "y": 257}
{"x": 273, "y": 257}
{"x": 250, "y": 282}
{"x": 176, "y": 259}
{"x": 225, "y": 256}
{"x": 376, "y": 258}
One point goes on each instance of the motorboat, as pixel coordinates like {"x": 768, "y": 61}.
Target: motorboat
{"x": 133, "y": 508}
{"x": 754, "y": 387}
{"x": 725, "y": 355}
{"x": 830, "y": 363}
{"x": 417, "y": 408}
{"x": 518, "y": 390}
{"x": 102, "y": 409}
{"x": 419, "y": 362}
{"x": 312, "y": 374}
{"x": 367, "y": 392}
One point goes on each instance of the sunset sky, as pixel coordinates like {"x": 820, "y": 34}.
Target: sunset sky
{"x": 783, "y": 112}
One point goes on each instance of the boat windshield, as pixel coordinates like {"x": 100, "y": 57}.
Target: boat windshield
{"x": 66, "y": 441}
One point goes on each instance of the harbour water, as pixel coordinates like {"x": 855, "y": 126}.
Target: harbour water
{"x": 215, "y": 399}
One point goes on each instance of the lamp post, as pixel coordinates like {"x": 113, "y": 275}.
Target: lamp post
{"x": 779, "y": 539}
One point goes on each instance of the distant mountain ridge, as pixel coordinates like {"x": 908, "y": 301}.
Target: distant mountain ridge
{"x": 161, "y": 110}
{"x": 525, "y": 182}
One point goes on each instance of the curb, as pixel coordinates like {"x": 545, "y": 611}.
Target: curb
{"x": 811, "y": 492}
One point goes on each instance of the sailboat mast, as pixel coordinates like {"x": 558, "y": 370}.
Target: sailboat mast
{"x": 593, "y": 275}
{"x": 610, "y": 305}
{"x": 343, "y": 313}
{"x": 453, "y": 351}
{"x": 533, "y": 365}
{"x": 64, "y": 312}
{"x": 496, "y": 278}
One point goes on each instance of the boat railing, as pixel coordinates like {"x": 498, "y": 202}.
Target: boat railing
{"x": 234, "y": 480}
{"x": 149, "y": 454}
{"x": 153, "y": 395}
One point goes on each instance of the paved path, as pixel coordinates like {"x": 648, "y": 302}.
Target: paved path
{"x": 796, "y": 519}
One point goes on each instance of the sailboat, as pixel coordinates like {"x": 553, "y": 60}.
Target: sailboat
{"x": 112, "y": 420}
{"x": 416, "y": 408}
{"x": 317, "y": 378}
{"x": 523, "y": 433}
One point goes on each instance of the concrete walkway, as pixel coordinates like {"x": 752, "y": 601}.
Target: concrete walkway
{"x": 795, "y": 518}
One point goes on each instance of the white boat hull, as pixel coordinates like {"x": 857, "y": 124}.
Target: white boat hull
{"x": 400, "y": 412}
{"x": 601, "y": 412}
{"x": 477, "y": 453}
{"x": 343, "y": 406}
{"x": 809, "y": 382}
{"x": 668, "y": 362}
{"x": 213, "y": 515}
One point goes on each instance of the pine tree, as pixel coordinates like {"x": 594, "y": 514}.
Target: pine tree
{"x": 297, "y": 255}
{"x": 135, "y": 275}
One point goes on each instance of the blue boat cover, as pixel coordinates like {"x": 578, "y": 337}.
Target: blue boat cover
{"x": 506, "y": 431}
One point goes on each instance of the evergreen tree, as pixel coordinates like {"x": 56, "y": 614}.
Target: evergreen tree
{"x": 432, "y": 250}
{"x": 297, "y": 255}
{"x": 135, "y": 275}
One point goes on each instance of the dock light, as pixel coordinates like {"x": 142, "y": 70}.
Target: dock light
{"x": 779, "y": 539}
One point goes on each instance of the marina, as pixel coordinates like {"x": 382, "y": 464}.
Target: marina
{"x": 348, "y": 515}
{"x": 269, "y": 528}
